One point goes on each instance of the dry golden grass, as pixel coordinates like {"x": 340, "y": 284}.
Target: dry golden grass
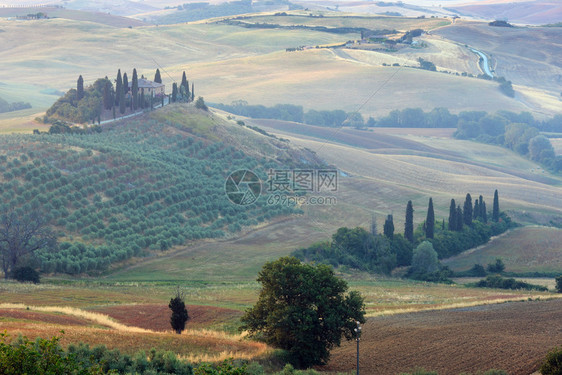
{"x": 200, "y": 345}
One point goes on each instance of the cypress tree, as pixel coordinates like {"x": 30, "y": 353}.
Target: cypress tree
{"x": 107, "y": 97}
{"x": 192, "y": 92}
{"x": 80, "y": 88}
{"x": 184, "y": 82}
{"x": 496, "y": 208}
{"x": 409, "y": 224}
{"x": 135, "y": 90}
{"x": 484, "y": 213}
{"x": 430, "y": 220}
{"x": 480, "y": 203}
{"x": 125, "y": 84}
{"x": 476, "y": 211}
{"x": 373, "y": 224}
{"x": 174, "y": 92}
{"x": 453, "y": 215}
{"x": 179, "y": 313}
{"x": 467, "y": 209}
{"x": 459, "y": 218}
{"x": 157, "y": 77}
{"x": 389, "y": 227}
{"x": 121, "y": 94}
{"x": 118, "y": 88}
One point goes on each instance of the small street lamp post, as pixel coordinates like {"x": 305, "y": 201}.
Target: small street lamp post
{"x": 358, "y": 338}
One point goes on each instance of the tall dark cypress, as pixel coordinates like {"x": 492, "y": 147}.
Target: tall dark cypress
{"x": 107, "y": 97}
{"x": 118, "y": 88}
{"x": 174, "y": 92}
{"x": 476, "y": 211}
{"x": 389, "y": 227}
{"x": 135, "y": 89}
{"x": 453, "y": 215}
{"x": 467, "y": 210}
{"x": 121, "y": 94}
{"x": 192, "y": 92}
{"x": 459, "y": 218}
{"x": 157, "y": 77}
{"x": 496, "y": 208}
{"x": 409, "y": 223}
{"x": 484, "y": 213}
{"x": 184, "y": 82}
{"x": 125, "y": 84}
{"x": 80, "y": 88}
{"x": 480, "y": 203}
{"x": 430, "y": 220}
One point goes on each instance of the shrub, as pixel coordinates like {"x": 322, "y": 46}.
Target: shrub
{"x": 552, "y": 364}
{"x": 497, "y": 267}
{"x": 559, "y": 284}
{"x": 477, "y": 270}
{"x": 23, "y": 274}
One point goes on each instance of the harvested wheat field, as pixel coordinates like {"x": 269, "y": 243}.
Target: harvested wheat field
{"x": 512, "y": 336}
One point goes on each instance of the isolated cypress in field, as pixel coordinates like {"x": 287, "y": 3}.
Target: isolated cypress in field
{"x": 453, "y": 215}
{"x": 409, "y": 224}
{"x": 80, "y": 88}
{"x": 484, "y": 213}
{"x": 467, "y": 209}
{"x": 496, "y": 209}
{"x": 174, "y": 92}
{"x": 430, "y": 220}
{"x": 460, "y": 219}
{"x": 135, "y": 89}
{"x": 476, "y": 210}
{"x": 157, "y": 77}
{"x": 389, "y": 227}
{"x": 179, "y": 313}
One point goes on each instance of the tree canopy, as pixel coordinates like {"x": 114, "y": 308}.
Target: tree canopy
{"x": 304, "y": 310}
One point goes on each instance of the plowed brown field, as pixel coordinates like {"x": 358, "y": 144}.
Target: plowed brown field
{"x": 514, "y": 337}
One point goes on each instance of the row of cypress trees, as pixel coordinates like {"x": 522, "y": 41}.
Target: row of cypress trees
{"x": 458, "y": 216}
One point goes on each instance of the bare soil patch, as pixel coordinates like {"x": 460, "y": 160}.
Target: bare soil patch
{"x": 42, "y": 317}
{"x": 156, "y": 317}
{"x": 512, "y": 336}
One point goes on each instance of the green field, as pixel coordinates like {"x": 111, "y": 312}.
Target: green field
{"x": 525, "y": 250}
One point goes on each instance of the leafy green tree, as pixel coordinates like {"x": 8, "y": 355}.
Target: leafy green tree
{"x": 430, "y": 220}
{"x": 497, "y": 267}
{"x": 80, "y": 88}
{"x": 496, "y": 207}
{"x": 157, "y": 77}
{"x": 22, "y": 236}
{"x": 540, "y": 148}
{"x": 453, "y": 215}
{"x": 304, "y": 310}
{"x": 179, "y": 313}
{"x": 467, "y": 210}
{"x": 26, "y": 273}
{"x": 200, "y": 104}
{"x": 424, "y": 259}
{"x": 409, "y": 223}
{"x": 552, "y": 364}
{"x": 388, "y": 229}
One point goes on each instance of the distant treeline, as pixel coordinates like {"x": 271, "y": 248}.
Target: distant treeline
{"x": 295, "y": 113}
{"x": 467, "y": 226}
{"x": 517, "y": 131}
{"x": 333, "y": 30}
{"x": 9, "y": 107}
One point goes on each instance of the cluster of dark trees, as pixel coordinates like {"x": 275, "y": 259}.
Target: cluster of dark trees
{"x": 498, "y": 282}
{"x": 467, "y": 227}
{"x": 9, "y": 107}
{"x": 87, "y": 104}
{"x": 518, "y": 132}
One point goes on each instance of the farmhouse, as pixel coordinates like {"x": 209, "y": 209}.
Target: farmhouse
{"x": 149, "y": 87}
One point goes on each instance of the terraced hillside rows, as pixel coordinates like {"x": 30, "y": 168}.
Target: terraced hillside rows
{"x": 145, "y": 184}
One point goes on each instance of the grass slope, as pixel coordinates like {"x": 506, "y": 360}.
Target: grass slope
{"x": 523, "y": 250}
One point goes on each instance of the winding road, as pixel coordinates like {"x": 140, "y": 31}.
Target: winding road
{"x": 483, "y": 62}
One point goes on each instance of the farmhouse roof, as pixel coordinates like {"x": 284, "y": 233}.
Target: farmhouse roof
{"x": 145, "y": 83}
